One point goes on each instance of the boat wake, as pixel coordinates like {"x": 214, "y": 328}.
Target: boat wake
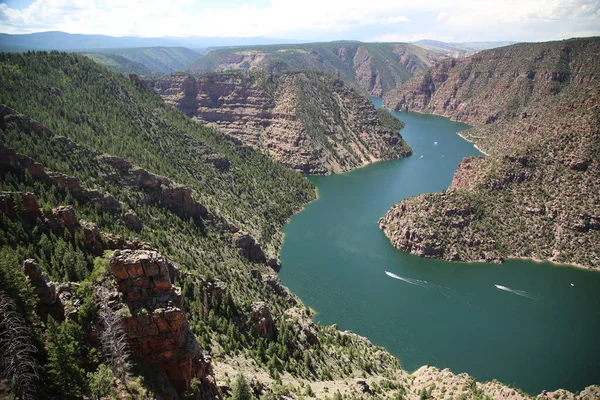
{"x": 521, "y": 293}
{"x": 416, "y": 282}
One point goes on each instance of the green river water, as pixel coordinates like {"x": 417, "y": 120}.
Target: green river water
{"x": 538, "y": 330}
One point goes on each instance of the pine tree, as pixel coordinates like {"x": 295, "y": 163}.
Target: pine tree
{"x": 64, "y": 358}
{"x": 241, "y": 389}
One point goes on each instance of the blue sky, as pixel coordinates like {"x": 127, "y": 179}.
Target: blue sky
{"x": 378, "y": 20}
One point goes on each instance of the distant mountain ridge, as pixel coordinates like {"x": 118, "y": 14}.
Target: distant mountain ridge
{"x": 55, "y": 40}
{"x": 462, "y": 49}
{"x": 373, "y": 68}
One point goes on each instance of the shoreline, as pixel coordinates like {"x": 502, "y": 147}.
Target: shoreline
{"x": 445, "y": 116}
{"x": 474, "y": 144}
{"x": 557, "y": 264}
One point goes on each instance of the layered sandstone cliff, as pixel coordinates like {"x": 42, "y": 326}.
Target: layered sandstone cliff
{"x": 154, "y": 320}
{"x": 308, "y": 121}
{"x": 535, "y": 108}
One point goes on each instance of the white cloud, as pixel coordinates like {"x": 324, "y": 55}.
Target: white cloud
{"x": 395, "y": 20}
{"x": 326, "y": 19}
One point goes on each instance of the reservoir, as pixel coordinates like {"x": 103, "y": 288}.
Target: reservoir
{"x": 531, "y": 325}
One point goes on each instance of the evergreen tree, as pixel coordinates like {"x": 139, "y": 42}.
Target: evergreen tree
{"x": 64, "y": 358}
{"x": 241, "y": 389}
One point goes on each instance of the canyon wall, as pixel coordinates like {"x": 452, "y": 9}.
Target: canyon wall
{"x": 308, "y": 121}
{"x": 535, "y": 111}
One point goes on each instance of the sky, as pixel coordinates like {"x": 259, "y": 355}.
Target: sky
{"x": 311, "y": 20}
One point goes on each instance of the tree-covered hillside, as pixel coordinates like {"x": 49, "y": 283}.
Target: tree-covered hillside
{"x": 146, "y": 60}
{"x": 108, "y": 113}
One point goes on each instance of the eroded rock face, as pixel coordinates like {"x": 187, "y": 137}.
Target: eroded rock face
{"x": 275, "y": 264}
{"x": 25, "y": 203}
{"x": 248, "y": 247}
{"x": 303, "y": 323}
{"x": 308, "y": 121}
{"x": 155, "y": 325}
{"x": 132, "y": 221}
{"x": 263, "y": 322}
{"x": 212, "y": 295}
{"x": 65, "y": 216}
{"x": 45, "y": 289}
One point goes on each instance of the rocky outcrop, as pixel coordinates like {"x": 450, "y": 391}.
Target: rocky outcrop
{"x": 18, "y": 203}
{"x": 448, "y": 385}
{"x": 373, "y": 68}
{"x": 262, "y": 320}
{"x": 306, "y": 120}
{"x": 303, "y": 323}
{"x": 19, "y": 163}
{"x": 211, "y": 297}
{"x": 161, "y": 191}
{"x": 25, "y": 206}
{"x": 49, "y": 302}
{"x": 275, "y": 264}
{"x": 154, "y": 321}
{"x": 132, "y": 221}
{"x": 248, "y": 247}
{"x": 536, "y": 109}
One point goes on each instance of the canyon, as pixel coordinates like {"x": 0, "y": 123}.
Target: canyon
{"x": 308, "y": 121}
{"x": 116, "y": 207}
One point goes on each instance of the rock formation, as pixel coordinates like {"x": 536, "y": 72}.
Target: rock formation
{"x": 308, "y": 121}
{"x": 373, "y": 68}
{"x": 211, "y": 297}
{"x": 303, "y": 323}
{"x": 248, "y": 247}
{"x": 154, "y": 320}
{"x": 25, "y": 204}
{"x": 262, "y": 320}
{"x": 535, "y": 108}
{"x": 49, "y": 302}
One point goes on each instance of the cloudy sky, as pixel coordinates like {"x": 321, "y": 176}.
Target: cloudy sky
{"x": 376, "y": 20}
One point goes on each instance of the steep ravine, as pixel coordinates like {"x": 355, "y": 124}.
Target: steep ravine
{"x": 306, "y": 120}
{"x": 535, "y": 108}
